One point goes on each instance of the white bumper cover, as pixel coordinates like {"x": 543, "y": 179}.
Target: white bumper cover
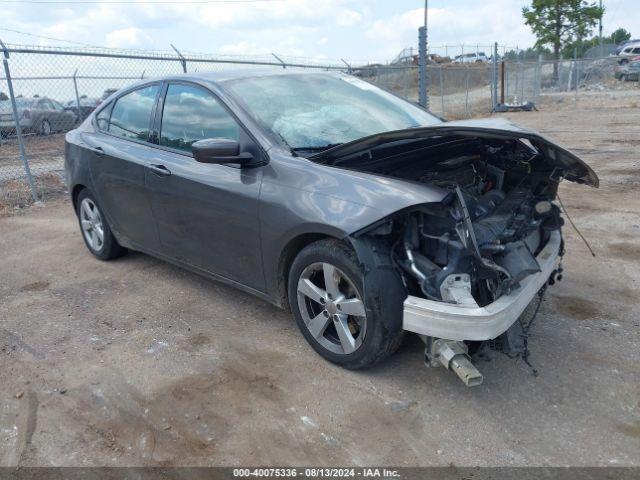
{"x": 468, "y": 321}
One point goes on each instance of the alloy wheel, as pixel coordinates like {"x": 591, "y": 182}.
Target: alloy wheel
{"x": 331, "y": 307}
{"x": 91, "y": 222}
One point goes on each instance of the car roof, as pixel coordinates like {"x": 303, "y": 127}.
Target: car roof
{"x": 228, "y": 75}
{"x": 237, "y": 74}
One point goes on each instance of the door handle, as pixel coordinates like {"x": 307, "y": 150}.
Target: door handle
{"x": 97, "y": 151}
{"x": 160, "y": 170}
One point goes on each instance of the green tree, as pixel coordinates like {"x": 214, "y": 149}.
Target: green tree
{"x": 619, "y": 35}
{"x": 558, "y": 22}
{"x": 3, "y": 97}
{"x": 581, "y": 46}
{"x": 526, "y": 54}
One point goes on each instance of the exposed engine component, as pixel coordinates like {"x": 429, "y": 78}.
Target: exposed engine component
{"x": 481, "y": 240}
{"x": 453, "y": 356}
{"x": 497, "y": 216}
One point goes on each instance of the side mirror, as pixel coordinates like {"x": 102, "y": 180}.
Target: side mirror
{"x": 220, "y": 150}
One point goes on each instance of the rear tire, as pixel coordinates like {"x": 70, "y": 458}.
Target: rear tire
{"x": 325, "y": 289}
{"x": 45, "y": 128}
{"x": 95, "y": 230}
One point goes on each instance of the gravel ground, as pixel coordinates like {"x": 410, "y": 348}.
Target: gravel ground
{"x": 136, "y": 362}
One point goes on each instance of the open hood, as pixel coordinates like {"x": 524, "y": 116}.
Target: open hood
{"x": 574, "y": 169}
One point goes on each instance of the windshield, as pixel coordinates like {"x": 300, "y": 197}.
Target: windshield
{"x": 317, "y": 111}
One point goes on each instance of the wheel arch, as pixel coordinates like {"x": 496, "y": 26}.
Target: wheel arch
{"x": 75, "y": 193}
{"x": 288, "y": 255}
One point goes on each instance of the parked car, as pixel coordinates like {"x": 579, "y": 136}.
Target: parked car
{"x": 364, "y": 214}
{"x": 87, "y": 105}
{"x": 629, "y": 51}
{"x": 479, "y": 57}
{"x": 628, "y": 72}
{"x": 36, "y": 115}
{"x": 626, "y": 43}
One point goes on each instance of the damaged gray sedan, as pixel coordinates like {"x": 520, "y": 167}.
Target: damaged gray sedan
{"x": 364, "y": 214}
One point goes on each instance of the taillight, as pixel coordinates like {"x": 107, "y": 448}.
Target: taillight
{"x": 26, "y": 114}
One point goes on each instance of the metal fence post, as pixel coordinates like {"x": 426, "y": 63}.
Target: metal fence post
{"x": 16, "y": 119}
{"x": 183, "y": 60}
{"x": 423, "y": 97}
{"x": 284, "y": 65}
{"x": 577, "y": 73}
{"x": 538, "y": 79}
{"x": 442, "y": 90}
{"x": 75, "y": 87}
{"x": 494, "y": 91}
{"x": 523, "y": 71}
{"x": 517, "y": 72}
{"x": 407, "y": 87}
{"x": 349, "y": 69}
{"x": 466, "y": 89}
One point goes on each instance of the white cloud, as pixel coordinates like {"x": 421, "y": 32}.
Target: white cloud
{"x": 351, "y": 29}
{"x": 456, "y": 24}
{"x": 348, "y": 18}
{"x": 396, "y": 27}
{"x": 242, "y": 48}
{"x": 128, "y": 38}
{"x": 289, "y": 46}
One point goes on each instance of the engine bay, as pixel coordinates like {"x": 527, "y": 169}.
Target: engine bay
{"x": 496, "y": 216}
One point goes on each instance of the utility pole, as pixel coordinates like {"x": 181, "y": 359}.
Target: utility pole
{"x": 423, "y": 96}
{"x": 426, "y": 31}
{"x": 600, "y": 31}
{"x": 426, "y": 11}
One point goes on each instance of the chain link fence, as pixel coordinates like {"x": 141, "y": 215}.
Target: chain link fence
{"x": 57, "y": 88}
{"x": 454, "y": 90}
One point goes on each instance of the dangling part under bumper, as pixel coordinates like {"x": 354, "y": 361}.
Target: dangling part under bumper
{"x": 453, "y": 356}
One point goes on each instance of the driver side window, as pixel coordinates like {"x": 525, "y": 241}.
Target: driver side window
{"x": 190, "y": 114}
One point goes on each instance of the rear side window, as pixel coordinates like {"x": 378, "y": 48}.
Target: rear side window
{"x": 191, "y": 114}
{"x": 131, "y": 113}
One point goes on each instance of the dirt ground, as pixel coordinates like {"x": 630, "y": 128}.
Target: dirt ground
{"x": 136, "y": 362}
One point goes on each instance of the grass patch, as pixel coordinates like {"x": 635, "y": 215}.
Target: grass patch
{"x": 15, "y": 194}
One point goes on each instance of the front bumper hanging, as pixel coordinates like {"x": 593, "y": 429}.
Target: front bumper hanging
{"x": 465, "y": 319}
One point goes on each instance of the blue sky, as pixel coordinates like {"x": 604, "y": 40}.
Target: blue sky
{"x": 320, "y": 29}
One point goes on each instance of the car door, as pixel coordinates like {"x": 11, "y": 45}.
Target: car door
{"x": 64, "y": 120}
{"x": 206, "y": 214}
{"x": 39, "y": 113}
{"x": 118, "y": 150}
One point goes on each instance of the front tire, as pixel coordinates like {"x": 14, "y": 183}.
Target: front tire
{"x": 95, "y": 230}
{"x": 325, "y": 289}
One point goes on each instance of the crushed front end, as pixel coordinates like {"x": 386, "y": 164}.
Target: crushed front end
{"x": 472, "y": 263}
